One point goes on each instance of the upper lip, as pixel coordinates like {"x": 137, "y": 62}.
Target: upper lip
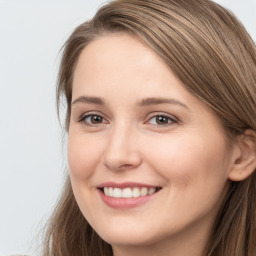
{"x": 126, "y": 185}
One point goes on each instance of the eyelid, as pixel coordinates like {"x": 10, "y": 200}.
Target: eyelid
{"x": 85, "y": 115}
{"x": 173, "y": 119}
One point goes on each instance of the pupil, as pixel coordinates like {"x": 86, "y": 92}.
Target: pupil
{"x": 96, "y": 119}
{"x": 161, "y": 120}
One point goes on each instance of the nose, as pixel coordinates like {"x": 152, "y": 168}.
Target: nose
{"x": 121, "y": 152}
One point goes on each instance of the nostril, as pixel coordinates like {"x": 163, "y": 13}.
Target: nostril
{"x": 125, "y": 166}
{"x": 119, "y": 165}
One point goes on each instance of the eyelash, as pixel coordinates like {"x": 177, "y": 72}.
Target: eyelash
{"x": 171, "y": 120}
{"x": 84, "y": 117}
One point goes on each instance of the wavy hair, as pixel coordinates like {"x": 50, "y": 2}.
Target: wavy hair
{"x": 211, "y": 53}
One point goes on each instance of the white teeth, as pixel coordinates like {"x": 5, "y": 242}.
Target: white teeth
{"x": 110, "y": 192}
{"x": 128, "y": 192}
{"x": 117, "y": 192}
{"x": 151, "y": 191}
{"x": 143, "y": 191}
{"x": 135, "y": 192}
{"x": 106, "y": 191}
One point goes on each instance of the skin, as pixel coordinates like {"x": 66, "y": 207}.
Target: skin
{"x": 188, "y": 156}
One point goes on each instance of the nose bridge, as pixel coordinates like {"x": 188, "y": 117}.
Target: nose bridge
{"x": 121, "y": 151}
{"x": 120, "y": 136}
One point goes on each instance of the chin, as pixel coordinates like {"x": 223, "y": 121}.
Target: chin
{"x": 127, "y": 240}
{"x": 127, "y": 236}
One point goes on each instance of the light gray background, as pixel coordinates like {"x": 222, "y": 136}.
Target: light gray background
{"x": 31, "y": 157}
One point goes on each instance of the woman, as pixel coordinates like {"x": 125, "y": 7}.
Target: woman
{"x": 161, "y": 120}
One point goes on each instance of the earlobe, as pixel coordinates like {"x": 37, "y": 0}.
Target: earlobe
{"x": 244, "y": 158}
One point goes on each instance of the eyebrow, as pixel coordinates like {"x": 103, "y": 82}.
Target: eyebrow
{"x": 158, "y": 101}
{"x": 142, "y": 103}
{"x": 87, "y": 99}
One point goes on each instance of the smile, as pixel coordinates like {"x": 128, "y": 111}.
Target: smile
{"x": 129, "y": 192}
{"x": 126, "y": 195}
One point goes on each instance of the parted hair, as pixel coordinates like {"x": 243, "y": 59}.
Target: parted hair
{"x": 212, "y": 54}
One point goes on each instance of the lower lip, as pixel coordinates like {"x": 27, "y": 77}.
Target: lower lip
{"x": 124, "y": 203}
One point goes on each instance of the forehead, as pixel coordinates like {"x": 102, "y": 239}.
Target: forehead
{"x": 121, "y": 61}
{"x": 120, "y": 51}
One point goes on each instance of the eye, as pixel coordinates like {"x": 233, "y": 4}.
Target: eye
{"x": 162, "y": 120}
{"x": 93, "y": 119}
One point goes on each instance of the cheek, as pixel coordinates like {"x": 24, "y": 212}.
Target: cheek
{"x": 190, "y": 161}
{"x": 83, "y": 156}
{"x": 195, "y": 175}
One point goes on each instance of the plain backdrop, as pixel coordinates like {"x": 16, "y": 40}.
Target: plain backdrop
{"x": 32, "y": 157}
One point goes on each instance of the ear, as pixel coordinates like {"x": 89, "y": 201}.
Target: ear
{"x": 244, "y": 156}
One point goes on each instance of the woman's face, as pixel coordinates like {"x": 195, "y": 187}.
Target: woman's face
{"x": 148, "y": 161}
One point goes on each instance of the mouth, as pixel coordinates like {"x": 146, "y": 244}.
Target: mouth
{"x": 128, "y": 192}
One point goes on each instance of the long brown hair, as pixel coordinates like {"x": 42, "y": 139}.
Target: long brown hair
{"x": 211, "y": 53}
